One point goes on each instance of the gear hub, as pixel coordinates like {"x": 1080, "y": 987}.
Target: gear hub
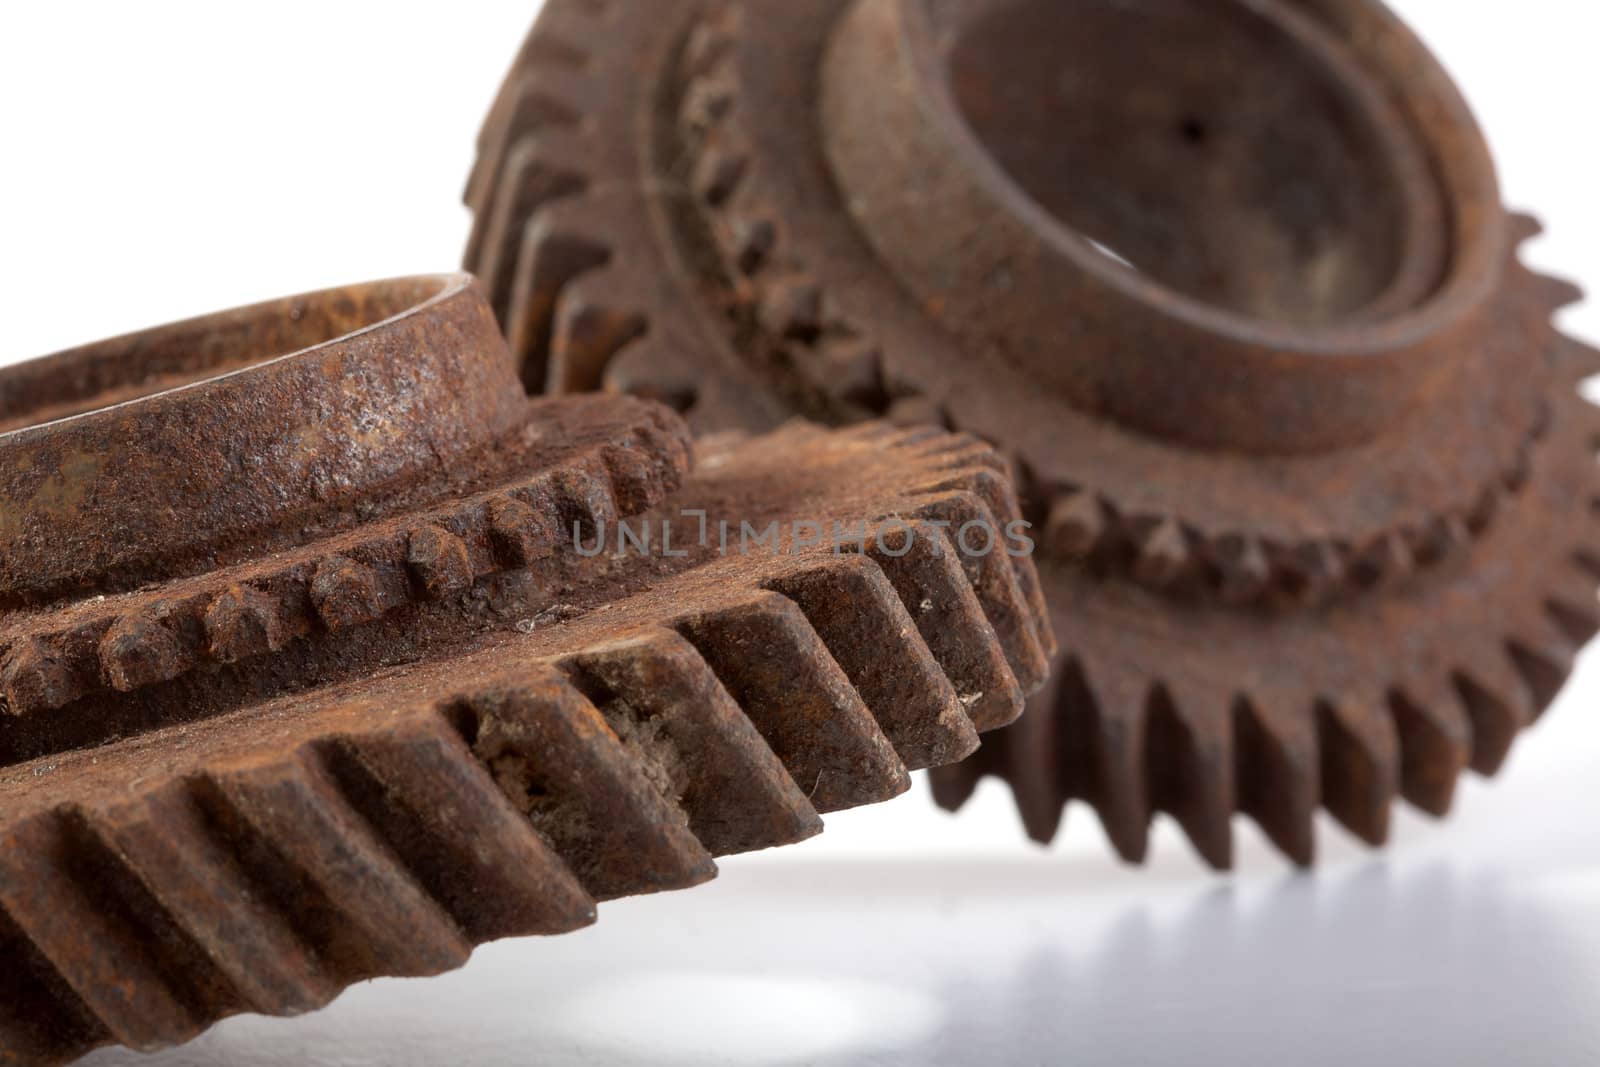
{"x": 1245, "y": 314}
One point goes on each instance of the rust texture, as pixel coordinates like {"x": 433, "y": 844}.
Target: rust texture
{"x": 308, "y": 673}
{"x": 1231, "y": 286}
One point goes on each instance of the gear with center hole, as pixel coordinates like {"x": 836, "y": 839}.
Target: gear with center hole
{"x": 1316, "y": 486}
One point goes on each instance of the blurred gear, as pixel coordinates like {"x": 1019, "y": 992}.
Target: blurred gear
{"x": 1231, "y": 285}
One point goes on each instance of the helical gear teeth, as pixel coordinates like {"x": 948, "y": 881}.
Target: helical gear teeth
{"x": 849, "y": 602}
{"x": 736, "y": 793}
{"x": 781, "y": 673}
{"x": 923, "y": 566}
{"x": 584, "y": 790}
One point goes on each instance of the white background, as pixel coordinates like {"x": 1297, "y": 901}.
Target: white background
{"x": 163, "y": 159}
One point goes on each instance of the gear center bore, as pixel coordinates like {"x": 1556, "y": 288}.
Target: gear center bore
{"x": 1275, "y": 257}
{"x": 1276, "y": 188}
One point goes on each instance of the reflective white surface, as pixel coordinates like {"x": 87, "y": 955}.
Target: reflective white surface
{"x": 174, "y": 157}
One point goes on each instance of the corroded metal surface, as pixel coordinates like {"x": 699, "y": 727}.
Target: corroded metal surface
{"x": 1245, "y": 313}
{"x": 334, "y": 665}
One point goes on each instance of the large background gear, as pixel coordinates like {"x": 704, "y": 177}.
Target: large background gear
{"x": 1314, "y": 481}
{"x": 367, "y": 705}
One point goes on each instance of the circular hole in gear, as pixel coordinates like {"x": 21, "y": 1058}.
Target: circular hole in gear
{"x": 1196, "y": 139}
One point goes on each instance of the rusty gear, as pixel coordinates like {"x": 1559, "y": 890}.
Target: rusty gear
{"x": 1244, "y": 311}
{"x": 306, "y": 680}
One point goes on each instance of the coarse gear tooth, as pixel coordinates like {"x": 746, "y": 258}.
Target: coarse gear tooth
{"x": 1107, "y": 716}
{"x": 539, "y": 171}
{"x": 1162, "y": 554}
{"x": 567, "y": 241}
{"x": 1543, "y": 653}
{"x": 767, "y": 655}
{"x": 1244, "y": 573}
{"x": 85, "y": 914}
{"x": 851, "y": 604}
{"x": 1025, "y": 637}
{"x": 1554, "y": 294}
{"x": 1386, "y": 559}
{"x": 923, "y": 565}
{"x": 36, "y": 677}
{"x": 533, "y": 103}
{"x": 1497, "y": 704}
{"x": 1191, "y": 766}
{"x": 440, "y": 562}
{"x": 1522, "y": 227}
{"x": 554, "y": 754}
{"x": 735, "y": 791}
{"x": 349, "y": 895}
{"x": 417, "y": 783}
{"x": 1028, "y": 755}
{"x": 42, "y": 1020}
{"x": 1076, "y": 525}
{"x": 242, "y": 621}
{"x": 140, "y": 650}
{"x": 171, "y": 848}
{"x": 1435, "y": 736}
{"x": 596, "y": 317}
{"x": 1280, "y": 772}
{"x": 1360, "y": 763}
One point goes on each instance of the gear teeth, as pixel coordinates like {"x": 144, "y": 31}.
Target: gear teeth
{"x": 1279, "y": 773}
{"x": 347, "y": 593}
{"x": 1108, "y": 722}
{"x": 1554, "y": 294}
{"x": 1543, "y": 653}
{"x": 172, "y": 851}
{"x": 440, "y": 562}
{"x": 590, "y": 329}
{"x": 535, "y": 103}
{"x": 1244, "y": 573}
{"x": 140, "y": 650}
{"x": 654, "y": 368}
{"x": 1385, "y": 560}
{"x": 416, "y": 784}
{"x": 75, "y": 900}
{"x": 847, "y": 369}
{"x": 917, "y": 410}
{"x": 1435, "y": 737}
{"x": 553, "y": 753}
{"x": 1497, "y": 705}
{"x": 721, "y": 168}
{"x": 767, "y": 655}
{"x": 539, "y": 171}
{"x": 41, "y": 1019}
{"x": 1580, "y": 360}
{"x": 242, "y": 622}
{"x": 37, "y": 678}
{"x": 850, "y": 603}
{"x": 735, "y": 791}
{"x": 1076, "y": 525}
{"x": 1022, "y": 634}
{"x": 1310, "y": 572}
{"x": 1522, "y": 227}
{"x": 551, "y": 257}
{"x": 349, "y": 895}
{"x": 922, "y": 565}
{"x": 1360, "y": 764}
{"x": 1578, "y": 620}
{"x": 1190, "y": 765}
{"x": 1162, "y": 556}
